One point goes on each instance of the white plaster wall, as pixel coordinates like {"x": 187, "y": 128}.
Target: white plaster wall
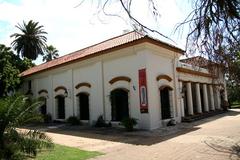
{"x": 100, "y": 70}
{"x": 63, "y": 79}
{"x": 124, "y": 62}
{"x": 159, "y": 63}
{"x": 128, "y": 66}
{"x": 92, "y": 75}
{"x": 45, "y": 83}
{"x": 194, "y": 78}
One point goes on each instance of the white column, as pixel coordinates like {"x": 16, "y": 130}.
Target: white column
{"x": 189, "y": 98}
{"x": 225, "y": 92}
{"x": 198, "y": 98}
{"x": 212, "y": 107}
{"x": 181, "y": 99}
{"x": 205, "y": 98}
{"x": 218, "y": 98}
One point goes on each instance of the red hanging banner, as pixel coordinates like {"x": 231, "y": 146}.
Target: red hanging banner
{"x": 143, "y": 91}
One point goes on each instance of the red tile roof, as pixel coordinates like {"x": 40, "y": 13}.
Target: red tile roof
{"x": 100, "y": 48}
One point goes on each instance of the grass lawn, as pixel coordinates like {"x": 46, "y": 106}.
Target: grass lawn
{"x": 66, "y": 153}
{"x": 235, "y": 106}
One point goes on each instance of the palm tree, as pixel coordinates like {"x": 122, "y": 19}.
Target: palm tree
{"x": 16, "y": 111}
{"x": 31, "y": 42}
{"x": 51, "y": 53}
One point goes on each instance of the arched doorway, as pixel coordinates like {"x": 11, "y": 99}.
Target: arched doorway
{"x": 119, "y": 102}
{"x": 43, "y": 108}
{"x": 83, "y": 101}
{"x": 165, "y": 102}
{"x": 60, "y": 100}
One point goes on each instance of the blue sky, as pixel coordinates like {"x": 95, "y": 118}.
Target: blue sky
{"x": 15, "y": 2}
{"x": 71, "y": 29}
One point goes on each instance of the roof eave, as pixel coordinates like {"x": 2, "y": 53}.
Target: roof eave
{"x": 125, "y": 45}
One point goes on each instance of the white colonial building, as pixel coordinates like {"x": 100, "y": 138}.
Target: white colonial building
{"x": 132, "y": 75}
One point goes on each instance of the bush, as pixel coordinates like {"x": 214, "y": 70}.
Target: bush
{"x": 172, "y": 122}
{"x": 16, "y": 111}
{"x": 47, "y": 118}
{"x": 129, "y": 123}
{"x": 101, "y": 122}
{"x": 73, "y": 120}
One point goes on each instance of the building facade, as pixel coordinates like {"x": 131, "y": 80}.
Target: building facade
{"x": 132, "y": 75}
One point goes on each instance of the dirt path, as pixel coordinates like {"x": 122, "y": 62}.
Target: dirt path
{"x": 209, "y": 139}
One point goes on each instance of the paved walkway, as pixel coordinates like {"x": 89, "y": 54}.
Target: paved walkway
{"x": 214, "y": 138}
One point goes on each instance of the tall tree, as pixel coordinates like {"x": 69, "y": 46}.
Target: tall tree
{"x": 8, "y": 72}
{"x": 50, "y": 54}
{"x": 31, "y": 42}
{"x": 10, "y": 67}
{"x": 212, "y": 23}
{"x": 214, "y": 28}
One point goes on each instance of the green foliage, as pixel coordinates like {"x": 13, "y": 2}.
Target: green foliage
{"x": 47, "y": 118}
{"x": 10, "y": 67}
{"x": 234, "y": 65}
{"x": 25, "y": 64}
{"x": 8, "y": 70}
{"x": 14, "y": 112}
{"x": 233, "y": 93}
{"x": 102, "y": 123}
{"x": 214, "y": 28}
{"x": 129, "y": 123}
{"x": 31, "y": 42}
{"x": 50, "y": 54}
{"x": 233, "y": 74}
{"x": 73, "y": 120}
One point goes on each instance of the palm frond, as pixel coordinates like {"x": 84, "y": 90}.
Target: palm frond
{"x": 32, "y": 141}
{"x": 14, "y": 112}
{"x": 31, "y": 42}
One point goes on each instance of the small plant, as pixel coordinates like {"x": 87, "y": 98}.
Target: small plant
{"x": 101, "y": 122}
{"x": 129, "y": 123}
{"x": 16, "y": 111}
{"x": 73, "y": 120}
{"x": 47, "y": 118}
{"x": 172, "y": 122}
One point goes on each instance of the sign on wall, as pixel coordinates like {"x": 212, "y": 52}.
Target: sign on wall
{"x": 143, "y": 91}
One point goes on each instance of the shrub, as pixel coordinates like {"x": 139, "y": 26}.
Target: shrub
{"x": 101, "y": 122}
{"x": 47, "y": 118}
{"x": 129, "y": 123}
{"x": 172, "y": 122}
{"x": 16, "y": 111}
{"x": 73, "y": 120}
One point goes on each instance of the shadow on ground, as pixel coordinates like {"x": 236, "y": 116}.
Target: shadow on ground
{"x": 137, "y": 137}
{"x": 227, "y": 146}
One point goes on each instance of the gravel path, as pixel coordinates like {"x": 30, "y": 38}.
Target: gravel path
{"x": 214, "y": 138}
